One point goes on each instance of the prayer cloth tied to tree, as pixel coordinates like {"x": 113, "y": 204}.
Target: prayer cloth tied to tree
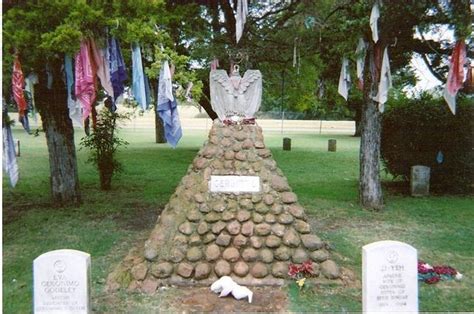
{"x": 10, "y": 165}
{"x": 85, "y": 74}
{"x": 167, "y": 107}
{"x": 18, "y": 83}
{"x": 138, "y": 87}
{"x": 455, "y": 74}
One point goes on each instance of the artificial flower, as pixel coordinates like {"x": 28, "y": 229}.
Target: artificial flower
{"x": 307, "y": 268}
{"x": 433, "y": 274}
{"x": 445, "y": 270}
{"x": 293, "y": 270}
{"x": 433, "y": 279}
{"x": 301, "y": 282}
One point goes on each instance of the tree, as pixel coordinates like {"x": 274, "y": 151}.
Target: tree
{"x": 43, "y": 32}
{"x": 326, "y": 31}
{"x": 271, "y": 33}
{"x": 24, "y": 26}
{"x": 397, "y": 25}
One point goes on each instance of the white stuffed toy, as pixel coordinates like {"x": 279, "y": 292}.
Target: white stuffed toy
{"x": 225, "y": 286}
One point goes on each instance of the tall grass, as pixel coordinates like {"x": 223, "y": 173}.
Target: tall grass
{"x": 108, "y": 224}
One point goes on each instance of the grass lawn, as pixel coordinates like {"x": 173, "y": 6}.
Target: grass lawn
{"x": 108, "y": 224}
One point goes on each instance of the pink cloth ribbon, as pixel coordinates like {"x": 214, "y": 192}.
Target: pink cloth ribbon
{"x": 85, "y": 76}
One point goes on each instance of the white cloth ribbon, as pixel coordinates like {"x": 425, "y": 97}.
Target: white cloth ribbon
{"x": 344, "y": 79}
{"x": 165, "y": 87}
{"x": 455, "y": 75}
{"x": 360, "y": 55}
{"x": 374, "y": 16}
{"x": 10, "y": 165}
{"x": 385, "y": 82}
{"x": 240, "y": 18}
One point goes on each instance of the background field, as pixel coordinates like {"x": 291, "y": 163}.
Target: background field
{"x": 108, "y": 224}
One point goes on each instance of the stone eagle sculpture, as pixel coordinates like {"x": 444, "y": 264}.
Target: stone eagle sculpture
{"x": 235, "y": 96}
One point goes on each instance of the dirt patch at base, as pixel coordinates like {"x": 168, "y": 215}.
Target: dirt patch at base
{"x": 265, "y": 299}
{"x": 191, "y": 300}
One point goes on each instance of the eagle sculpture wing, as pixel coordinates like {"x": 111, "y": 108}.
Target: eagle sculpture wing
{"x": 227, "y": 98}
{"x": 251, "y": 88}
{"x": 221, "y": 92}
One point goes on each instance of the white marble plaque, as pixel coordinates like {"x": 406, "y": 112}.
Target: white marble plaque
{"x": 61, "y": 282}
{"x": 234, "y": 184}
{"x": 389, "y": 277}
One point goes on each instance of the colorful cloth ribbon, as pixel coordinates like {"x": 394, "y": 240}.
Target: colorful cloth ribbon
{"x": 10, "y": 165}
{"x": 344, "y": 79}
{"x": 374, "y": 17}
{"x": 167, "y": 107}
{"x": 360, "y": 55}
{"x": 102, "y": 65}
{"x": 74, "y": 106}
{"x": 118, "y": 72}
{"x": 85, "y": 79}
{"x": 30, "y": 81}
{"x": 138, "y": 87}
{"x": 455, "y": 74}
{"x": 240, "y": 18}
{"x": 385, "y": 82}
{"x": 18, "y": 82}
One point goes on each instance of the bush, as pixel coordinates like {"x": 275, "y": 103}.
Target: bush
{"x": 423, "y": 131}
{"x": 103, "y": 143}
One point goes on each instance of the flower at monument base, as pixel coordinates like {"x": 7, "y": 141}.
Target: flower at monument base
{"x": 293, "y": 270}
{"x": 307, "y": 268}
{"x": 424, "y": 268}
{"x": 433, "y": 274}
{"x": 445, "y": 270}
{"x": 300, "y": 282}
{"x": 296, "y": 270}
{"x": 301, "y": 272}
{"x": 433, "y": 279}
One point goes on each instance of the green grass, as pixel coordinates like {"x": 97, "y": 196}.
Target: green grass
{"x": 108, "y": 224}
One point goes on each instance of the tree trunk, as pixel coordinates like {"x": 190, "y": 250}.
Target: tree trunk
{"x": 52, "y": 105}
{"x": 159, "y": 129}
{"x": 358, "y": 123}
{"x": 370, "y": 189}
{"x": 205, "y": 101}
{"x": 105, "y": 176}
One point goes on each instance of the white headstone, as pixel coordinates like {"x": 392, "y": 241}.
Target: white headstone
{"x": 389, "y": 277}
{"x": 420, "y": 181}
{"x": 61, "y": 282}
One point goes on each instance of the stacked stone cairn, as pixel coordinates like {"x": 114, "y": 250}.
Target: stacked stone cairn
{"x": 252, "y": 237}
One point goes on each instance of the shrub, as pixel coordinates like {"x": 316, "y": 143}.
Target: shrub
{"x": 422, "y": 131}
{"x": 103, "y": 143}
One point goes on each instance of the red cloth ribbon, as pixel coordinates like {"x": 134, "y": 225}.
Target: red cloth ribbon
{"x": 18, "y": 82}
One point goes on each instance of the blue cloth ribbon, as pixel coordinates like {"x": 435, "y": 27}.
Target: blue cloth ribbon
{"x": 118, "y": 72}
{"x": 168, "y": 112}
{"x": 138, "y": 87}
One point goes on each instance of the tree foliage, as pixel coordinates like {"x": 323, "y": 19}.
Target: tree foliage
{"x": 323, "y": 32}
{"x": 422, "y": 131}
{"x": 44, "y": 31}
{"x": 298, "y": 45}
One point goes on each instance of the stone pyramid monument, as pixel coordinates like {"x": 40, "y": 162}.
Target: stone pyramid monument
{"x": 234, "y": 214}
{"x": 203, "y": 235}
